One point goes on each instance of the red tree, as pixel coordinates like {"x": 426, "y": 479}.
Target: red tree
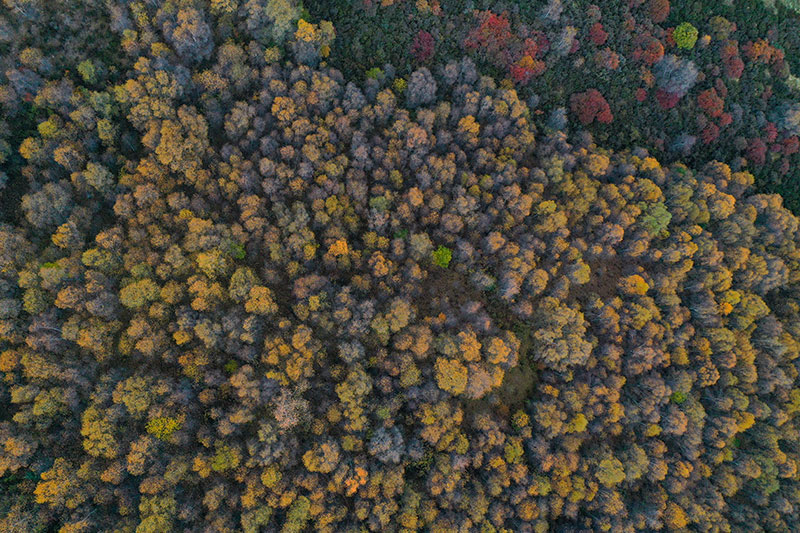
{"x": 597, "y": 34}
{"x": 658, "y": 10}
{"x": 648, "y": 49}
{"x": 493, "y": 34}
{"x": 590, "y": 106}
{"x": 666, "y": 100}
{"x": 771, "y": 132}
{"x": 756, "y": 151}
{"x": 422, "y": 47}
{"x": 734, "y": 66}
{"x": 791, "y": 145}
{"x": 710, "y": 133}
{"x": 711, "y": 103}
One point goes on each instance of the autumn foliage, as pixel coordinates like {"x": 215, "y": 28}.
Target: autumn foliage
{"x": 243, "y": 292}
{"x": 590, "y": 106}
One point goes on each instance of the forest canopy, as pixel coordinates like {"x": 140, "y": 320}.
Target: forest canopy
{"x": 240, "y": 291}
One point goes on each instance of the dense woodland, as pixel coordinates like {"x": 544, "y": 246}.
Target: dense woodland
{"x": 690, "y": 80}
{"x": 244, "y": 289}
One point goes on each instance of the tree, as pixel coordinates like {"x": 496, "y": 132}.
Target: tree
{"x": 559, "y": 340}
{"x": 675, "y": 76}
{"x": 451, "y": 375}
{"x": 163, "y": 427}
{"x": 48, "y": 207}
{"x": 139, "y": 293}
{"x": 685, "y": 35}
{"x": 190, "y": 35}
{"x": 260, "y": 301}
{"x": 97, "y": 432}
{"x": 59, "y": 486}
{"x": 99, "y": 178}
{"x": 421, "y": 88}
{"x": 422, "y": 47}
{"x": 590, "y": 106}
{"x": 322, "y": 458}
{"x": 270, "y": 19}
{"x": 387, "y": 445}
{"x": 658, "y": 10}
{"x": 297, "y": 516}
{"x": 136, "y": 393}
{"x": 157, "y": 513}
{"x": 242, "y": 281}
{"x": 442, "y": 256}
